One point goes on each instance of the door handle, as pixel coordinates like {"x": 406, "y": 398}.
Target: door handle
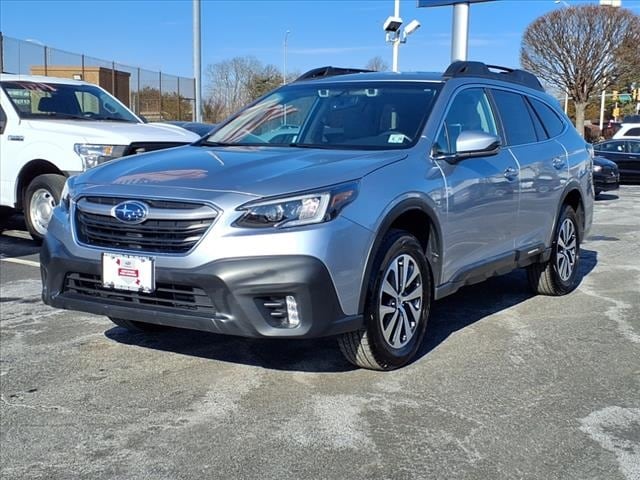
{"x": 510, "y": 173}
{"x": 558, "y": 163}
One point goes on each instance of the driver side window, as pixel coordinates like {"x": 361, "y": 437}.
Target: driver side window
{"x": 469, "y": 111}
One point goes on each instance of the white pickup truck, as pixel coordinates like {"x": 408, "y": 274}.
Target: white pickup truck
{"x": 52, "y": 128}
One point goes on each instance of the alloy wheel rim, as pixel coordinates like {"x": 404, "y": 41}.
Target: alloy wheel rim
{"x": 566, "y": 249}
{"x": 400, "y": 301}
{"x": 41, "y": 208}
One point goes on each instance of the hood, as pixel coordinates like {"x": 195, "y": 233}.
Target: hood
{"x": 113, "y": 133}
{"x": 260, "y": 171}
{"x": 603, "y": 162}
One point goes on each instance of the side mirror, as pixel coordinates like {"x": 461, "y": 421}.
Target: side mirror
{"x": 471, "y": 143}
{"x": 475, "y": 143}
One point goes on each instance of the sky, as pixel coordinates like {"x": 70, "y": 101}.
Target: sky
{"x": 157, "y": 34}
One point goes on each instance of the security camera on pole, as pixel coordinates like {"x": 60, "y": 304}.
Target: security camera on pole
{"x": 396, "y": 35}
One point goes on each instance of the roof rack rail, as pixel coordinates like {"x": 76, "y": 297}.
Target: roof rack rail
{"x": 479, "y": 69}
{"x": 328, "y": 71}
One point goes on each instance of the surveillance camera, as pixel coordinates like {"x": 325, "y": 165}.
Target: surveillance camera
{"x": 412, "y": 27}
{"x": 392, "y": 24}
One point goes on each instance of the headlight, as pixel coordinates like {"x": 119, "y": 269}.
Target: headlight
{"x": 597, "y": 168}
{"x": 64, "y": 196}
{"x": 303, "y": 209}
{"x": 94, "y": 155}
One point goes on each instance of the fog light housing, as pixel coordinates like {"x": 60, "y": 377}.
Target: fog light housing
{"x": 280, "y": 311}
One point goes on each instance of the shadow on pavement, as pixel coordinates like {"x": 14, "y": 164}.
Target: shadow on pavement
{"x": 448, "y": 315}
{"x": 18, "y": 244}
{"x": 606, "y": 196}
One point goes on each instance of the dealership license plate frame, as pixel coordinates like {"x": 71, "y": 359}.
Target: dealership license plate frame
{"x": 134, "y": 273}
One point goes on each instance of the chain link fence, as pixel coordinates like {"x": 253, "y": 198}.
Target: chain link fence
{"x": 154, "y": 95}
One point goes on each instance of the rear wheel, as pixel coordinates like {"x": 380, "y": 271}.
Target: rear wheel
{"x": 40, "y": 198}
{"x": 397, "y": 307}
{"x": 137, "y": 327}
{"x": 559, "y": 275}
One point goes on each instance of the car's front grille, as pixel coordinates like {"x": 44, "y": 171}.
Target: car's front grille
{"x": 171, "y": 226}
{"x": 142, "y": 147}
{"x": 184, "y": 298}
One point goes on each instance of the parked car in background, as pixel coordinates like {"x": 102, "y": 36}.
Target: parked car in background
{"x": 606, "y": 176}
{"x": 198, "y": 128}
{"x": 628, "y": 131}
{"x": 52, "y": 128}
{"x": 333, "y": 206}
{"x": 625, "y": 153}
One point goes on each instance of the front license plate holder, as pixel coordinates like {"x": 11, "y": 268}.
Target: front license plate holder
{"x": 128, "y": 272}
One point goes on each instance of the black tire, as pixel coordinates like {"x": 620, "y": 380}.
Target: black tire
{"x": 48, "y": 188}
{"x": 138, "y": 327}
{"x": 368, "y": 347}
{"x": 597, "y": 192}
{"x": 550, "y": 277}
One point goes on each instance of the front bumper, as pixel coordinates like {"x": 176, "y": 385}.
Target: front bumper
{"x": 606, "y": 182}
{"x": 235, "y": 289}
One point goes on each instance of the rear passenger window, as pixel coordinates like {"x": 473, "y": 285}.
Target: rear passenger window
{"x": 516, "y": 120}
{"x": 633, "y": 132}
{"x": 552, "y": 123}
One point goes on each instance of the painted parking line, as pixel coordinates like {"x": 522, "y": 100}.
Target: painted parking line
{"x": 21, "y": 261}
{"x": 17, "y": 234}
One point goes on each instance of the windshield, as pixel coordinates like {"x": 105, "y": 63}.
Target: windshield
{"x": 375, "y": 115}
{"x": 63, "y": 101}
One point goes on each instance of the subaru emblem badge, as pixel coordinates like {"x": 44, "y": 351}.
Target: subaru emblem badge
{"x": 131, "y": 212}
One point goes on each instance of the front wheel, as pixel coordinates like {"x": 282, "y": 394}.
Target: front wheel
{"x": 40, "y": 198}
{"x": 397, "y": 307}
{"x": 559, "y": 275}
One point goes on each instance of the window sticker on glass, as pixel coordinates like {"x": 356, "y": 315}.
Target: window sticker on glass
{"x": 396, "y": 138}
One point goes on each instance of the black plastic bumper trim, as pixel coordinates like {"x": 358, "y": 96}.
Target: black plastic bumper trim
{"x": 232, "y": 285}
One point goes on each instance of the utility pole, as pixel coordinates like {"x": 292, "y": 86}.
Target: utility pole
{"x": 197, "y": 61}
{"x": 396, "y": 41}
{"x": 604, "y": 94}
{"x": 460, "y": 32}
{"x": 284, "y": 63}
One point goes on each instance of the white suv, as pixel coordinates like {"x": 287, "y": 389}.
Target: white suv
{"x": 627, "y": 131}
{"x": 52, "y": 128}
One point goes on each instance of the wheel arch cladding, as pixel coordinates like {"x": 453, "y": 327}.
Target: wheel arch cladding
{"x": 418, "y": 219}
{"x": 573, "y": 198}
{"x": 30, "y": 171}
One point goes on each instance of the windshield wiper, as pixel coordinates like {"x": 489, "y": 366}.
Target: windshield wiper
{"x": 59, "y": 115}
{"x": 216, "y": 144}
{"x": 320, "y": 146}
{"x": 115, "y": 119}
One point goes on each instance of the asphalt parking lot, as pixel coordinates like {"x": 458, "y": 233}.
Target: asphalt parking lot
{"x": 507, "y": 386}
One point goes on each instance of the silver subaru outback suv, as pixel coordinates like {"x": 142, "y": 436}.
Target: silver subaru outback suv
{"x": 342, "y": 204}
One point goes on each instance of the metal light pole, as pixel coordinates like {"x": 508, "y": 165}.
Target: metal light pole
{"x": 460, "y": 31}
{"x": 197, "y": 61}
{"x": 602, "y": 99}
{"x": 396, "y": 41}
{"x": 284, "y": 63}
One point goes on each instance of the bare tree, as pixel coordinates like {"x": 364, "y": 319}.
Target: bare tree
{"x": 377, "y": 64}
{"x": 236, "y": 82}
{"x": 229, "y": 83}
{"x": 581, "y": 49}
